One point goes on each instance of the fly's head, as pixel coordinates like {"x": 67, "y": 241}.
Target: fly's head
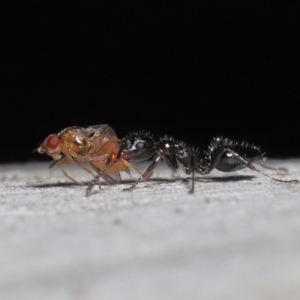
{"x": 51, "y": 146}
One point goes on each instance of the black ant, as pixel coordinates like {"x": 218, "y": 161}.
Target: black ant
{"x": 223, "y": 154}
{"x": 227, "y": 156}
{"x": 172, "y": 152}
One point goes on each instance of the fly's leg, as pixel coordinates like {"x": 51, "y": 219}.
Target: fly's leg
{"x": 67, "y": 175}
{"x": 134, "y": 168}
{"x": 112, "y": 178}
{"x": 64, "y": 160}
{"x": 102, "y": 174}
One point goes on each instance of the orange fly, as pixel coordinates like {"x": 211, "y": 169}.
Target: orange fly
{"x": 97, "y": 145}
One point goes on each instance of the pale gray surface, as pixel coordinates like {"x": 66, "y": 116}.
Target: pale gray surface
{"x": 238, "y": 237}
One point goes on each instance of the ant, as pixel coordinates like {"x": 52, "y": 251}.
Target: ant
{"x": 223, "y": 154}
{"x": 227, "y": 155}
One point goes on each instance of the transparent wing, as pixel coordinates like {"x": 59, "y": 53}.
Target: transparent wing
{"x": 102, "y": 129}
{"x": 102, "y": 158}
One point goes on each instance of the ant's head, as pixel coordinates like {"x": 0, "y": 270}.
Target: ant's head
{"x": 51, "y": 146}
{"x": 138, "y": 146}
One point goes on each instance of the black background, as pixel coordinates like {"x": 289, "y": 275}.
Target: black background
{"x": 192, "y": 71}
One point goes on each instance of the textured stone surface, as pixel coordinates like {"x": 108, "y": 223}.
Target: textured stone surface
{"x": 237, "y": 237}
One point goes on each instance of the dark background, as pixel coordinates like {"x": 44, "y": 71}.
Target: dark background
{"x": 192, "y": 71}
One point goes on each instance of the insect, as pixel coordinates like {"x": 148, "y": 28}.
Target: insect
{"x": 98, "y": 145}
{"x": 223, "y": 154}
{"x": 227, "y": 155}
{"x": 133, "y": 148}
{"x": 172, "y": 152}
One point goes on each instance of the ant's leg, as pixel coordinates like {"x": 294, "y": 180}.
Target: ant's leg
{"x": 274, "y": 169}
{"x": 190, "y": 169}
{"x": 147, "y": 173}
{"x": 108, "y": 178}
{"x": 250, "y": 166}
{"x": 102, "y": 173}
{"x": 97, "y": 177}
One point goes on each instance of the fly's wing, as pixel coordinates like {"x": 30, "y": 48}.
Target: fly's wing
{"x": 100, "y": 129}
{"x": 72, "y": 128}
{"x": 94, "y": 159}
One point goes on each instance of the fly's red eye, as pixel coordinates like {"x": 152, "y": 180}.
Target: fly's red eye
{"x": 52, "y": 141}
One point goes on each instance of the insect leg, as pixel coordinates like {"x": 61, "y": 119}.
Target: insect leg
{"x": 191, "y": 165}
{"x": 252, "y": 167}
{"x": 97, "y": 177}
{"x": 147, "y": 173}
{"x": 66, "y": 174}
{"x": 64, "y": 160}
{"x": 274, "y": 169}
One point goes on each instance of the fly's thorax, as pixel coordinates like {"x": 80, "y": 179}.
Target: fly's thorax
{"x": 74, "y": 143}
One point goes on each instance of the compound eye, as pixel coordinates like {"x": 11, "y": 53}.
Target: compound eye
{"x": 52, "y": 142}
{"x": 140, "y": 145}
